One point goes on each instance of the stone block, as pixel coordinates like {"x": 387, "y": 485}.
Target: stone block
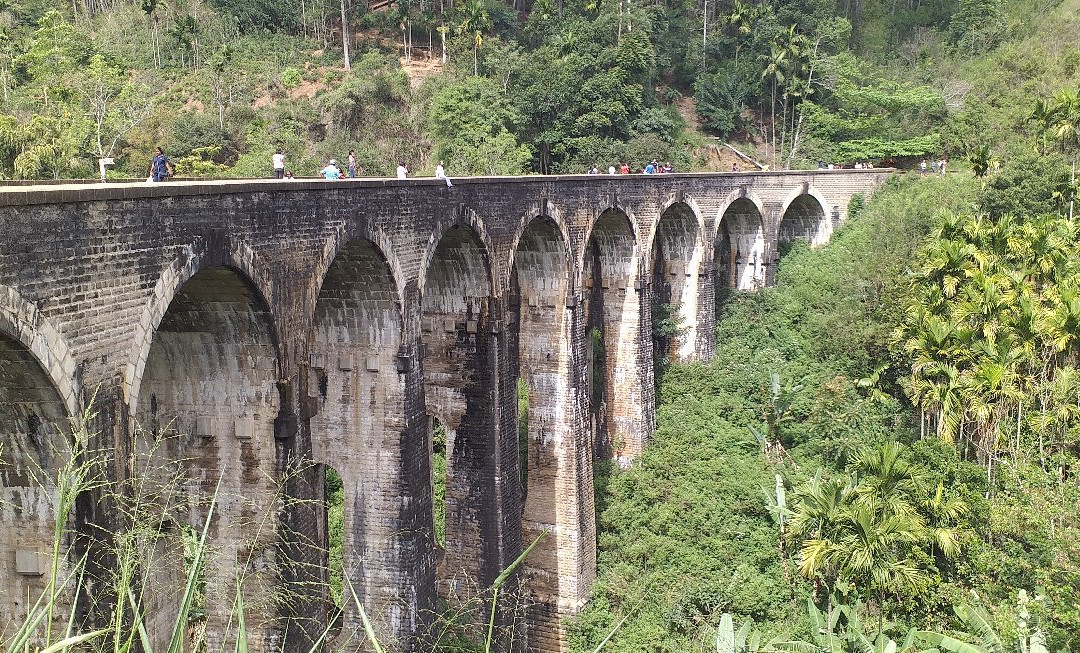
{"x": 244, "y": 427}
{"x": 30, "y": 562}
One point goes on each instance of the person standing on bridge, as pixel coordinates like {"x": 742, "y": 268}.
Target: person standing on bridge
{"x": 352, "y": 164}
{"x": 402, "y": 171}
{"x": 160, "y": 166}
{"x": 279, "y": 164}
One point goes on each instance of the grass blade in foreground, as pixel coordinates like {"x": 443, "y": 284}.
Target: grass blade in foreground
{"x": 176, "y": 642}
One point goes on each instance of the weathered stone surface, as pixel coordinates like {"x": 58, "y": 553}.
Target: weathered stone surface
{"x": 258, "y": 331}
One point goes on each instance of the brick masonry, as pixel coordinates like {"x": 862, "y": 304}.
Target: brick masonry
{"x": 253, "y": 332}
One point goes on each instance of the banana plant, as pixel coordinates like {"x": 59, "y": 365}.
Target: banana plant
{"x": 981, "y": 636}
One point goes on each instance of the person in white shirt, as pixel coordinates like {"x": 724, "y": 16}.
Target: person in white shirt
{"x": 279, "y": 164}
{"x": 440, "y": 173}
{"x": 402, "y": 171}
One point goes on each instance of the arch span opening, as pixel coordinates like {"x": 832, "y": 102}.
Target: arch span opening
{"x": 676, "y": 259}
{"x": 615, "y": 311}
{"x": 357, "y": 430}
{"x": 35, "y": 444}
{"x": 207, "y": 402}
{"x": 804, "y": 220}
{"x": 459, "y": 387}
{"x": 740, "y": 248}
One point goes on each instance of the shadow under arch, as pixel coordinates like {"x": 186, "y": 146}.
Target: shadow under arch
{"x": 463, "y": 219}
{"x": 192, "y": 259}
{"x": 558, "y": 230}
{"x": 204, "y": 428}
{"x": 35, "y": 444}
{"x": 615, "y": 311}
{"x": 343, "y": 238}
{"x": 739, "y": 258}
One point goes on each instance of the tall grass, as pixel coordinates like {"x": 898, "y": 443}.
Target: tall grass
{"x": 144, "y": 507}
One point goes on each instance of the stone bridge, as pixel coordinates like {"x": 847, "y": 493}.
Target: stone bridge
{"x": 246, "y": 337}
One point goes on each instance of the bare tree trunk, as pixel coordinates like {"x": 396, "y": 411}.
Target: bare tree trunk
{"x": 345, "y": 36}
{"x": 704, "y": 31}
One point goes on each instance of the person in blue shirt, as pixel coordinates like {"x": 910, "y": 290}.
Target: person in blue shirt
{"x": 331, "y": 171}
{"x": 160, "y": 166}
{"x": 650, "y": 169}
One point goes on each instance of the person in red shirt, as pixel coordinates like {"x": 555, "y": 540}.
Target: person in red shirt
{"x": 624, "y": 169}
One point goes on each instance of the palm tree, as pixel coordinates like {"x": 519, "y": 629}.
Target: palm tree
{"x": 775, "y": 71}
{"x": 475, "y": 21}
{"x": 1042, "y": 114}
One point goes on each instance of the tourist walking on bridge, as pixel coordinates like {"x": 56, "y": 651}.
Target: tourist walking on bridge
{"x": 402, "y": 171}
{"x": 160, "y": 166}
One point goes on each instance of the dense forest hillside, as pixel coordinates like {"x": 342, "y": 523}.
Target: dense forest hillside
{"x": 884, "y": 449}
{"x": 493, "y": 86}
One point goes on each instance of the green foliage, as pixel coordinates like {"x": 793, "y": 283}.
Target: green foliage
{"x": 334, "y": 495}
{"x": 977, "y": 26}
{"x": 470, "y": 123}
{"x": 686, "y": 534}
{"x": 291, "y": 78}
{"x": 438, "y": 471}
{"x": 1026, "y": 185}
{"x": 200, "y": 163}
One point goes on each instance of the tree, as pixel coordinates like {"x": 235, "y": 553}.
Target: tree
{"x": 475, "y": 21}
{"x": 864, "y": 528}
{"x": 221, "y": 80}
{"x": 115, "y": 106}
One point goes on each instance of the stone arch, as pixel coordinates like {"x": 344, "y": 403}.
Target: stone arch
{"x": 739, "y": 260}
{"x": 192, "y": 259}
{"x": 676, "y": 254}
{"x": 804, "y": 216}
{"x": 358, "y": 425}
{"x": 548, "y": 213}
{"x": 206, "y": 403}
{"x": 21, "y": 321}
{"x": 467, "y": 219}
{"x": 742, "y": 193}
{"x": 616, "y": 317}
{"x": 343, "y": 237}
{"x": 460, "y": 348}
{"x": 35, "y": 443}
{"x": 684, "y": 203}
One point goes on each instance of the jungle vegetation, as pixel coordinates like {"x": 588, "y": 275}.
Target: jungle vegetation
{"x": 515, "y": 86}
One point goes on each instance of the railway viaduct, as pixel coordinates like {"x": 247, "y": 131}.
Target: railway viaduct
{"x": 242, "y": 337}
